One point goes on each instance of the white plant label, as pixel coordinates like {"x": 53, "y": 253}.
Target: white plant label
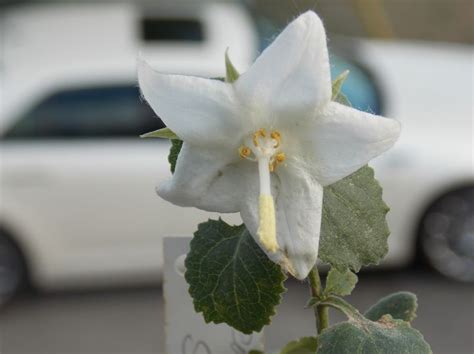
{"x": 185, "y": 330}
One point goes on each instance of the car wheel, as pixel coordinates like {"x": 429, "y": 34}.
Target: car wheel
{"x": 447, "y": 234}
{"x": 12, "y": 269}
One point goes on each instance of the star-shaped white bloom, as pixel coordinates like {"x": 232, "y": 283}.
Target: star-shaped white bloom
{"x": 266, "y": 144}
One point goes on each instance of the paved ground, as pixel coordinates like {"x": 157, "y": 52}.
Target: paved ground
{"x": 130, "y": 321}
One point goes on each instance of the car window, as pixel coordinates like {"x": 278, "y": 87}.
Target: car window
{"x": 99, "y": 112}
{"x": 360, "y": 87}
{"x": 168, "y": 29}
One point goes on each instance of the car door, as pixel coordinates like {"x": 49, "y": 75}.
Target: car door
{"x": 83, "y": 181}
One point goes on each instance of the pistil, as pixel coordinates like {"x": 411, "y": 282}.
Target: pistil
{"x": 265, "y": 150}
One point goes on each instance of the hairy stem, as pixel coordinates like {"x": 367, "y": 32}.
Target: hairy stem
{"x": 321, "y": 312}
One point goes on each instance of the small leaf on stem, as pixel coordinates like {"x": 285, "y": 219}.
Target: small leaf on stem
{"x": 176, "y": 145}
{"x": 305, "y": 345}
{"x": 337, "y": 84}
{"x": 231, "y": 73}
{"x": 164, "y": 133}
{"x": 401, "y": 305}
{"x": 340, "y": 283}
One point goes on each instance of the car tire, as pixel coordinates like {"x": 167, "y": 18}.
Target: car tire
{"x": 447, "y": 234}
{"x": 12, "y": 269}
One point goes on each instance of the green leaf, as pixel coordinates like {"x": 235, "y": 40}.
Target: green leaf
{"x": 176, "y": 146}
{"x": 362, "y": 336}
{"x": 305, "y": 345}
{"x": 401, "y": 305}
{"x": 342, "y": 305}
{"x": 165, "y": 133}
{"x": 313, "y": 301}
{"x": 342, "y": 99}
{"x": 340, "y": 283}
{"x": 231, "y": 279}
{"x": 337, "y": 84}
{"x": 386, "y": 336}
{"x": 337, "y": 95}
{"x": 354, "y": 231}
{"x": 231, "y": 73}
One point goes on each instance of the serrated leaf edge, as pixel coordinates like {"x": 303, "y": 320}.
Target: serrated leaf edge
{"x": 281, "y": 288}
{"x": 386, "y": 209}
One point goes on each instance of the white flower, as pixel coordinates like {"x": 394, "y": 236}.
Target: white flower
{"x": 266, "y": 144}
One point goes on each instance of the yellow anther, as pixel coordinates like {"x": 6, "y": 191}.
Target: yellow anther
{"x": 277, "y": 137}
{"x": 277, "y": 159}
{"x": 280, "y": 157}
{"x": 259, "y": 133}
{"x": 244, "y": 151}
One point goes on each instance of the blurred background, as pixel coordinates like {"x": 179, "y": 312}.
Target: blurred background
{"x": 81, "y": 228}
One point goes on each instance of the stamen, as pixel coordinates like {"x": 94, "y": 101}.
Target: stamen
{"x": 277, "y": 159}
{"x": 259, "y": 133}
{"x": 280, "y": 157}
{"x": 275, "y": 135}
{"x": 244, "y": 151}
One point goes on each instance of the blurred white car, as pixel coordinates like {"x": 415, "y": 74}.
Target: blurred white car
{"x": 77, "y": 184}
{"x": 428, "y": 178}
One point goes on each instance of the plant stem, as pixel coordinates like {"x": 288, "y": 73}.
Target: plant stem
{"x": 321, "y": 312}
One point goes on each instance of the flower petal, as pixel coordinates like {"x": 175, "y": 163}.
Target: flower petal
{"x": 340, "y": 141}
{"x": 291, "y": 77}
{"x": 298, "y": 205}
{"x": 209, "y": 179}
{"x": 200, "y": 111}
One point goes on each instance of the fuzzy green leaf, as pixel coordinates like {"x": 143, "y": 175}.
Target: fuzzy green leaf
{"x": 340, "y": 283}
{"x": 342, "y": 305}
{"x": 176, "y": 145}
{"x": 337, "y": 84}
{"x": 354, "y": 231}
{"x": 231, "y": 279}
{"x": 164, "y": 133}
{"x": 386, "y": 336}
{"x": 305, "y": 345}
{"x": 313, "y": 301}
{"x": 360, "y": 335}
{"x": 231, "y": 73}
{"x": 401, "y": 305}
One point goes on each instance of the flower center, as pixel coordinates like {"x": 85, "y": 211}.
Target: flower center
{"x": 262, "y": 146}
{"x": 264, "y": 149}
